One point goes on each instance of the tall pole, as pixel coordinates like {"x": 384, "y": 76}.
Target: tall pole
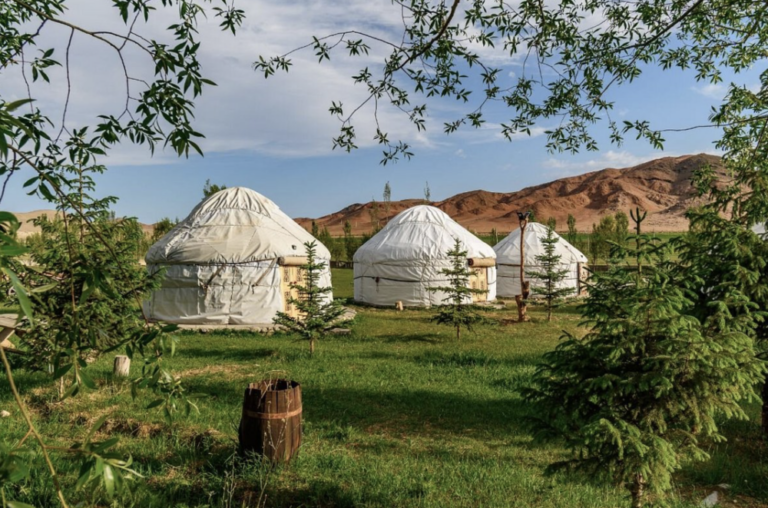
{"x": 524, "y": 285}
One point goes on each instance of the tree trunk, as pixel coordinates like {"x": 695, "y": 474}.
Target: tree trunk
{"x": 549, "y": 312}
{"x": 122, "y": 367}
{"x": 765, "y": 407}
{"x": 637, "y": 489}
{"x": 522, "y": 307}
{"x": 458, "y": 333}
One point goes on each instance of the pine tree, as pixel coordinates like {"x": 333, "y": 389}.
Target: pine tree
{"x": 731, "y": 262}
{"x": 457, "y": 310}
{"x": 318, "y": 312}
{"x": 551, "y": 274}
{"x": 633, "y": 397}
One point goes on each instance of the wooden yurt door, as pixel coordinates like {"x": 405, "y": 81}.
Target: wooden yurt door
{"x": 479, "y": 280}
{"x": 290, "y": 274}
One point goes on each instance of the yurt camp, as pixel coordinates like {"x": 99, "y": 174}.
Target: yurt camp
{"x": 405, "y": 259}
{"x": 230, "y": 262}
{"x": 508, "y": 260}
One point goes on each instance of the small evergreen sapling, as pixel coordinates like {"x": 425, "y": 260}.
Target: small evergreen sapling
{"x": 457, "y": 310}
{"x": 551, "y": 275}
{"x": 317, "y": 310}
{"x": 633, "y": 397}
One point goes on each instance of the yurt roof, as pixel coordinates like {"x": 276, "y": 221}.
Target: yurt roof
{"x": 235, "y": 225}
{"x": 420, "y": 233}
{"x": 508, "y": 250}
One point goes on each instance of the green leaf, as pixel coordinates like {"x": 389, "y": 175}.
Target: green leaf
{"x": 21, "y": 294}
{"x": 61, "y": 371}
{"x": 96, "y": 426}
{"x": 155, "y": 403}
{"x": 109, "y": 480}
{"x": 18, "y": 504}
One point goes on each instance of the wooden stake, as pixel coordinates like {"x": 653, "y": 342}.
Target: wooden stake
{"x": 122, "y": 366}
{"x": 525, "y": 286}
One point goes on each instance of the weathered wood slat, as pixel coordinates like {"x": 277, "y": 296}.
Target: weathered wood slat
{"x": 271, "y": 422}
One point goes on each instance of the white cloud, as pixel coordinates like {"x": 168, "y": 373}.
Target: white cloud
{"x": 460, "y": 153}
{"x": 712, "y": 90}
{"x": 609, "y": 159}
{"x": 286, "y": 115}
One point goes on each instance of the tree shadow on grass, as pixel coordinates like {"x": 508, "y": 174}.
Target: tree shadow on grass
{"x": 427, "y": 338}
{"x": 412, "y": 411}
{"x": 468, "y": 359}
{"x": 319, "y": 493}
{"x": 233, "y": 354}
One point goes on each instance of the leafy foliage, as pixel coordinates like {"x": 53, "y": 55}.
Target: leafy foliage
{"x": 572, "y": 231}
{"x": 551, "y": 274}
{"x": 634, "y": 397}
{"x": 209, "y": 189}
{"x": 86, "y": 287}
{"x": 162, "y": 227}
{"x": 318, "y": 312}
{"x": 457, "y": 309}
{"x": 440, "y": 53}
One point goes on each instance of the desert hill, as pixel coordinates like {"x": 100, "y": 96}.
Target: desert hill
{"x": 662, "y": 187}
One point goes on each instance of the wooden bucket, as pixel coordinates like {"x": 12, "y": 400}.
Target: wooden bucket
{"x": 271, "y": 421}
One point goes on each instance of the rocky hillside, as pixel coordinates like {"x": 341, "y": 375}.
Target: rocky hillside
{"x": 662, "y": 187}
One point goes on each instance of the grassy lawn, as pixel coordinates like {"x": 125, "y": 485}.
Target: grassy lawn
{"x": 397, "y": 414}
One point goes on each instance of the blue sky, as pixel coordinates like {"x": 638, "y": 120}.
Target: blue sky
{"x": 274, "y": 136}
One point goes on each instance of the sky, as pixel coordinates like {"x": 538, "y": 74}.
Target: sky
{"x": 274, "y": 136}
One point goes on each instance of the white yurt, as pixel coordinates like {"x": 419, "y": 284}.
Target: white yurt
{"x": 230, "y": 262}
{"x": 403, "y": 260}
{"x": 508, "y": 260}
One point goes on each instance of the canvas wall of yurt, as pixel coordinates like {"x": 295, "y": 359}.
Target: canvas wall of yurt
{"x": 508, "y": 261}
{"x": 230, "y": 262}
{"x": 405, "y": 259}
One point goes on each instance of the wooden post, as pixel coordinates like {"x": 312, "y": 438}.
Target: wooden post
{"x": 525, "y": 286}
{"x": 122, "y": 366}
{"x": 399, "y": 305}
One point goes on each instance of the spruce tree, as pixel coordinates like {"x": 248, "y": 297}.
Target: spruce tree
{"x": 457, "y": 309}
{"x": 318, "y": 312}
{"x": 633, "y": 398}
{"x": 552, "y": 273}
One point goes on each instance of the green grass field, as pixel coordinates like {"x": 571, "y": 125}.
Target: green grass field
{"x": 397, "y": 414}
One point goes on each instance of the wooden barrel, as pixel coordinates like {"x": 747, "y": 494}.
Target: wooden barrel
{"x": 271, "y": 421}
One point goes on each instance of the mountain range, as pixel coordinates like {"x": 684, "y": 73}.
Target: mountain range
{"x": 662, "y": 187}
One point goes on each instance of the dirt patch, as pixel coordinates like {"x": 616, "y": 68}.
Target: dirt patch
{"x": 217, "y": 369}
{"x": 132, "y": 428}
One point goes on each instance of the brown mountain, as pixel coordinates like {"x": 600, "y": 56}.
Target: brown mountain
{"x": 662, "y": 187}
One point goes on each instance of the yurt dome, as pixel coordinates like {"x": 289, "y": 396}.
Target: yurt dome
{"x": 508, "y": 260}
{"x": 403, "y": 260}
{"x": 231, "y": 261}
